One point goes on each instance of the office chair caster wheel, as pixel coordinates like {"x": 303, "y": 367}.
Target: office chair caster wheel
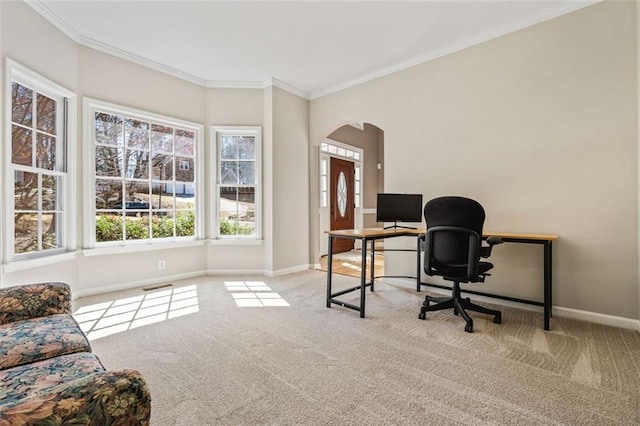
{"x": 497, "y": 319}
{"x": 422, "y": 315}
{"x": 469, "y": 328}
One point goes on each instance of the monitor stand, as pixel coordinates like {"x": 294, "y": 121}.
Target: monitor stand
{"x": 396, "y": 226}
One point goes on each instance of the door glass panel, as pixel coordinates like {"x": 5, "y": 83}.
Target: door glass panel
{"x": 342, "y": 194}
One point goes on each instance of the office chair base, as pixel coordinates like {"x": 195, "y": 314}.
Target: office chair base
{"x": 459, "y": 306}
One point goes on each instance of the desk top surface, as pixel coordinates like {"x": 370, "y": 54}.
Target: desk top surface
{"x": 397, "y": 232}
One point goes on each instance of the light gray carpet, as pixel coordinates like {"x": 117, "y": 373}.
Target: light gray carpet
{"x": 305, "y": 364}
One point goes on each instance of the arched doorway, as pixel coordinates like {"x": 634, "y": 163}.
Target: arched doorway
{"x": 351, "y": 174}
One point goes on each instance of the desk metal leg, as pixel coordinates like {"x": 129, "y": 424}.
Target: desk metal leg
{"x": 363, "y": 278}
{"x": 329, "y": 270}
{"x": 547, "y": 284}
{"x": 418, "y": 281}
{"x": 373, "y": 262}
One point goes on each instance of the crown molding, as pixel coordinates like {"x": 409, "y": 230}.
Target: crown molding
{"x": 455, "y": 47}
{"x": 234, "y": 85}
{"x": 285, "y": 86}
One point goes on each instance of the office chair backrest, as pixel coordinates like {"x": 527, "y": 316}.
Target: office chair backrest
{"x": 449, "y": 247}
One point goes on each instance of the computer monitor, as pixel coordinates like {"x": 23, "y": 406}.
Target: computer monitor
{"x": 399, "y": 208}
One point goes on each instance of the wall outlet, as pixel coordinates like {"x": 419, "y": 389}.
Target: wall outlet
{"x": 161, "y": 265}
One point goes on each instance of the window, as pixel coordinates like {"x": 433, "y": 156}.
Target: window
{"x": 237, "y": 159}
{"x": 37, "y": 179}
{"x": 145, "y": 176}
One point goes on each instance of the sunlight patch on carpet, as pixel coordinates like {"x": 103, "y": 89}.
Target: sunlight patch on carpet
{"x": 116, "y": 316}
{"x": 254, "y": 294}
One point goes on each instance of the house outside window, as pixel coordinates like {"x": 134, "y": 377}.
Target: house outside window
{"x": 237, "y": 160}
{"x": 145, "y": 168}
{"x": 38, "y": 183}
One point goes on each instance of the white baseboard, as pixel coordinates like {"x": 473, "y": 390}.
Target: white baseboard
{"x": 287, "y": 271}
{"x": 559, "y": 311}
{"x": 597, "y": 318}
{"x": 76, "y": 294}
{"x": 234, "y": 272}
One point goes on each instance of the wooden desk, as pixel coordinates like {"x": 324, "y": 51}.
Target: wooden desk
{"x": 364, "y": 235}
{"x": 546, "y": 240}
{"x": 373, "y": 234}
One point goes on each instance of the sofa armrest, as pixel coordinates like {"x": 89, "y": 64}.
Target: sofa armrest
{"x": 34, "y": 300}
{"x": 105, "y": 398}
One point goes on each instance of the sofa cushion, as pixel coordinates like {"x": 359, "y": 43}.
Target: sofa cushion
{"x": 27, "y": 341}
{"x": 39, "y": 378}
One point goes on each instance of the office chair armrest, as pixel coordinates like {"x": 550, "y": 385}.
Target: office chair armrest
{"x": 492, "y": 241}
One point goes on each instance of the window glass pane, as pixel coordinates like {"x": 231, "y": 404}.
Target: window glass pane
{"x": 185, "y": 196}
{"x": 247, "y": 172}
{"x": 323, "y": 167}
{"x": 108, "y": 194}
{"x": 21, "y": 145}
{"x": 136, "y": 195}
{"x": 25, "y": 232}
{"x": 229, "y": 172}
{"x": 45, "y": 114}
{"x": 323, "y": 183}
{"x": 162, "y": 195}
{"x": 161, "y": 138}
{"x": 247, "y": 148}
{"x": 137, "y": 227}
{"x": 136, "y": 134}
{"x": 162, "y": 167}
{"x": 108, "y": 161}
{"x": 185, "y": 171}
{"x": 51, "y": 192}
{"x": 137, "y": 164}
{"x": 185, "y": 223}
{"x": 109, "y": 129}
{"x": 228, "y": 147}
{"x": 162, "y": 224}
{"x": 357, "y": 174}
{"x": 323, "y": 199}
{"x": 356, "y": 156}
{"x": 50, "y": 231}
{"x": 21, "y": 104}
{"x": 109, "y": 227}
{"x": 185, "y": 143}
{"x": 25, "y": 191}
{"x": 45, "y": 151}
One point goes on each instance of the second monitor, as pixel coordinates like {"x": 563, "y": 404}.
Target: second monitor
{"x": 399, "y": 208}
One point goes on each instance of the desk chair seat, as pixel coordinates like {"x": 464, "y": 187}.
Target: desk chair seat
{"x": 453, "y": 248}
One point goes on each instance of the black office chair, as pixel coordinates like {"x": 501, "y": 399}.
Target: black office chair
{"x": 453, "y": 248}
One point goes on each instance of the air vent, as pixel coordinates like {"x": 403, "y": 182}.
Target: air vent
{"x": 157, "y": 287}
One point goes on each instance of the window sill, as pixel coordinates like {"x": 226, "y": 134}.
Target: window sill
{"x": 118, "y": 249}
{"x": 21, "y": 265}
{"x": 235, "y": 242}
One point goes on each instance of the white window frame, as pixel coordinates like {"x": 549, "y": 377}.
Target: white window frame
{"x": 12, "y": 261}
{"x": 90, "y": 106}
{"x": 216, "y": 132}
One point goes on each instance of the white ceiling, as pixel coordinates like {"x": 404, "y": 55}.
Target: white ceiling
{"x": 308, "y": 47}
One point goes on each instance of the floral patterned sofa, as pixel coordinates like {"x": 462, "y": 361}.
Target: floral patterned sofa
{"x": 48, "y": 375}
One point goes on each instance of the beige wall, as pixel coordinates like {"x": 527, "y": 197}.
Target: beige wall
{"x": 290, "y": 198}
{"x": 540, "y": 127}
